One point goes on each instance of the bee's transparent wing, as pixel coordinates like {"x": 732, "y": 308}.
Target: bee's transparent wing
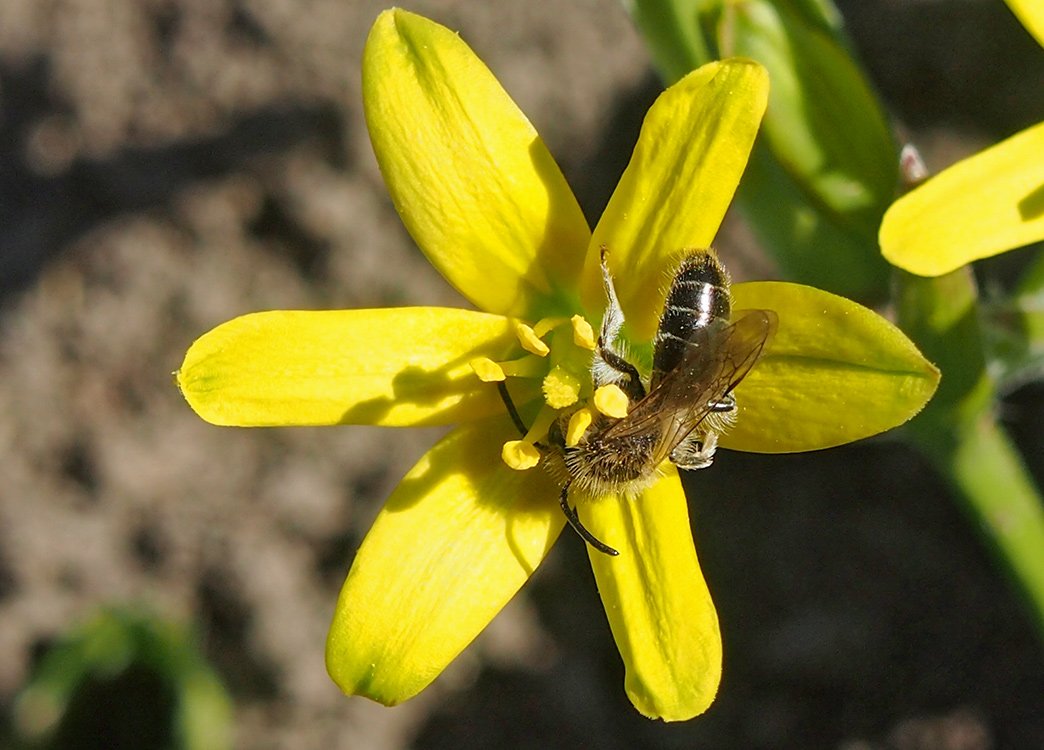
{"x": 715, "y": 361}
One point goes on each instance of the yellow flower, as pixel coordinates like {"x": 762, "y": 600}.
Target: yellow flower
{"x": 486, "y": 203}
{"x": 986, "y": 204}
{"x": 1031, "y": 14}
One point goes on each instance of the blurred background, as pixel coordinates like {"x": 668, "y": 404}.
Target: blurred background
{"x": 168, "y": 164}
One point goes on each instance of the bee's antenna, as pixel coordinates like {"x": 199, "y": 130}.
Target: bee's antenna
{"x": 579, "y": 528}
{"x": 512, "y": 411}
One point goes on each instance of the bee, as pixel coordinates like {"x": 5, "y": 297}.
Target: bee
{"x": 700, "y": 355}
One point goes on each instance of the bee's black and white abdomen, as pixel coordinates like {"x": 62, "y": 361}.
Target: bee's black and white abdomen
{"x": 698, "y": 298}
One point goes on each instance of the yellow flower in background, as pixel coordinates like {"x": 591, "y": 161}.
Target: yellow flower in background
{"x": 486, "y": 203}
{"x": 1031, "y": 14}
{"x": 986, "y": 204}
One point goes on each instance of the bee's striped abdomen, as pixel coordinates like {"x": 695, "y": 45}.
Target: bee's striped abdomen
{"x": 698, "y": 296}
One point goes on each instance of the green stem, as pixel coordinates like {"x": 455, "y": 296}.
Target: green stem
{"x": 990, "y": 477}
{"x": 959, "y": 431}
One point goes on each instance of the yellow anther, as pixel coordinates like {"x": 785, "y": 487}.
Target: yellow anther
{"x": 546, "y": 325}
{"x": 530, "y": 341}
{"x": 583, "y": 334}
{"x": 611, "y": 401}
{"x": 523, "y": 454}
{"x": 520, "y": 455}
{"x": 487, "y": 370}
{"x": 561, "y": 388}
{"x": 578, "y": 424}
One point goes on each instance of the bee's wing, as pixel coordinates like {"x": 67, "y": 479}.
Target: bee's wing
{"x": 713, "y": 364}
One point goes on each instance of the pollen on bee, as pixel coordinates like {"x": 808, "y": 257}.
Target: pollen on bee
{"x": 611, "y": 401}
{"x": 583, "y": 334}
{"x": 487, "y": 370}
{"x": 520, "y": 455}
{"x": 578, "y": 424}
{"x": 529, "y": 340}
{"x": 561, "y": 388}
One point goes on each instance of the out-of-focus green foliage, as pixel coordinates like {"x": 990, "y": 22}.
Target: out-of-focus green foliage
{"x": 958, "y": 429}
{"x": 824, "y": 171}
{"x": 1013, "y": 329}
{"x": 124, "y": 679}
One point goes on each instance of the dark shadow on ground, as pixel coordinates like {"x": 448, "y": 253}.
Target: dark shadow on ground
{"x": 41, "y": 214}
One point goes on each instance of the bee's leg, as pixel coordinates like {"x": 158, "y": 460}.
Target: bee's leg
{"x": 609, "y": 364}
{"x": 613, "y": 317}
{"x": 512, "y": 411}
{"x": 695, "y": 451}
{"x": 579, "y": 528}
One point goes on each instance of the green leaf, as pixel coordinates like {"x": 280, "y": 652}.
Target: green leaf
{"x": 819, "y": 182}
{"x": 810, "y": 244}
{"x": 672, "y": 34}
{"x": 942, "y": 315}
{"x": 1013, "y": 332}
{"x": 117, "y": 651}
{"x": 959, "y": 431}
{"x": 826, "y": 131}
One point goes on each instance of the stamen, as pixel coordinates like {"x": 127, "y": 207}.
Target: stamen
{"x": 561, "y": 388}
{"x": 546, "y": 325}
{"x": 529, "y": 340}
{"x": 520, "y": 455}
{"x": 541, "y": 424}
{"x": 578, "y": 424}
{"x": 583, "y": 334}
{"x": 509, "y": 404}
{"x": 523, "y": 454}
{"x": 529, "y": 366}
{"x": 611, "y": 401}
{"x": 487, "y": 370}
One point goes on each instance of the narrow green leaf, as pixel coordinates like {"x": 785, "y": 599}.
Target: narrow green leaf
{"x": 825, "y": 171}
{"x": 672, "y": 34}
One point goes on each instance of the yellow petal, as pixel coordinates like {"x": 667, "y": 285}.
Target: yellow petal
{"x": 658, "y": 605}
{"x": 474, "y": 184}
{"x": 981, "y": 206}
{"x": 1031, "y": 14}
{"x": 673, "y": 195}
{"x": 834, "y": 372}
{"x": 455, "y": 541}
{"x": 397, "y": 366}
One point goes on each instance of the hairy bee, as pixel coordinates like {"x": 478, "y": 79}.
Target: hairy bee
{"x": 699, "y": 357}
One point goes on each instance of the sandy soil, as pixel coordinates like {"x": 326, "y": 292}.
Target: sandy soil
{"x": 168, "y": 164}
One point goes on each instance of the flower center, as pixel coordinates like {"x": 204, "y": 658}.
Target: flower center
{"x": 559, "y": 353}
